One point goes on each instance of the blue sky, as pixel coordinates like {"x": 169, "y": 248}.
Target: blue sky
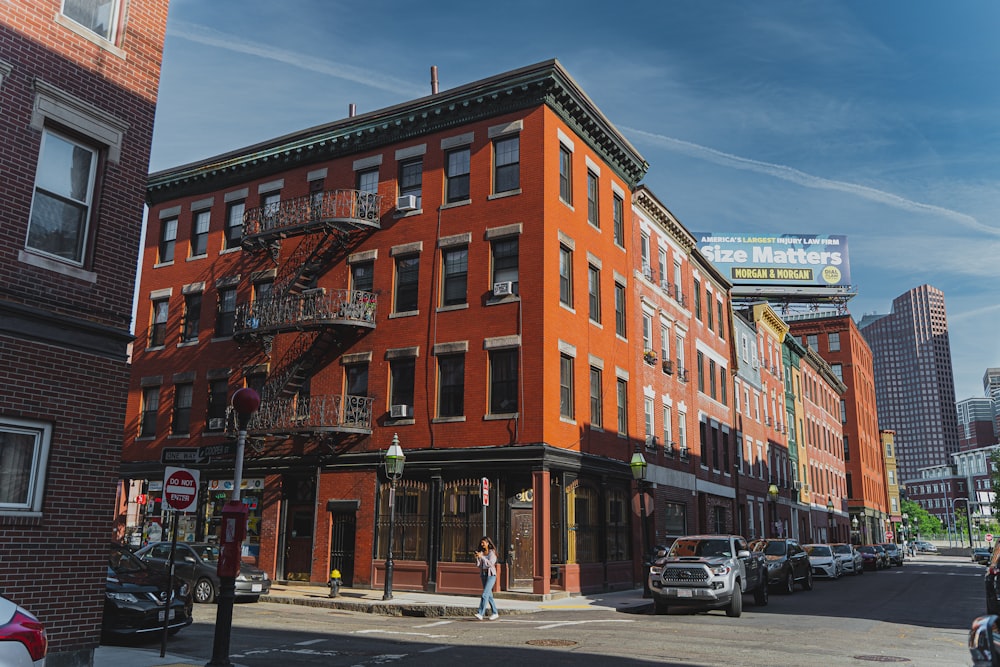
{"x": 876, "y": 120}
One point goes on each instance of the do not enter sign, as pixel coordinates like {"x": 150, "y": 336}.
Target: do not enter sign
{"x": 180, "y": 489}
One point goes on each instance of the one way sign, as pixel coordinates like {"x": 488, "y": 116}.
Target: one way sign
{"x": 179, "y": 455}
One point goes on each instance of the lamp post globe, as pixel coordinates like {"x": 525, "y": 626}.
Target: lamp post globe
{"x": 772, "y": 496}
{"x": 395, "y": 459}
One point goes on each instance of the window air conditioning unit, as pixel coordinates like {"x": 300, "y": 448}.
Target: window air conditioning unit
{"x": 406, "y": 203}
{"x": 217, "y": 424}
{"x": 503, "y": 289}
{"x": 400, "y": 411}
{"x": 651, "y": 441}
{"x": 668, "y": 366}
{"x": 797, "y": 485}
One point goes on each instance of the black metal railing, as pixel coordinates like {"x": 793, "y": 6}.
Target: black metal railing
{"x": 352, "y": 207}
{"x": 313, "y": 307}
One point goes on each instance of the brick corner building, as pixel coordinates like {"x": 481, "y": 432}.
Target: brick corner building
{"x": 78, "y": 93}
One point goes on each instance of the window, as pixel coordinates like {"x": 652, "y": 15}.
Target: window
{"x": 457, "y": 176}
{"x": 682, "y": 440}
{"x": 356, "y": 379}
{"x": 711, "y": 378}
{"x": 411, "y": 175}
{"x": 620, "y": 327}
{"x": 363, "y": 276}
{"x": 593, "y": 213}
{"x": 679, "y": 347}
{"x": 199, "y": 233}
{"x": 98, "y": 16}
{"x": 316, "y": 199}
{"x": 158, "y": 330}
{"x": 402, "y": 372}
{"x": 596, "y": 398}
{"x": 722, "y": 386}
{"x": 234, "y": 224}
{"x": 262, "y": 289}
{"x": 503, "y": 381}
{"x": 181, "y": 424}
{"x": 668, "y": 437}
{"x": 24, "y": 454}
{"x": 594, "y": 292}
{"x": 647, "y": 333}
{"x": 648, "y": 420}
{"x": 622, "y": 387}
{"x": 812, "y": 341}
{"x": 505, "y": 261}
{"x": 647, "y": 270}
{"x": 838, "y": 370}
{"x": 225, "y": 316}
{"x": 218, "y": 401}
{"x": 708, "y": 311}
{"x": 618, "y": 211}
{"x": 722, "y": 322}
{"x": 833, "y": 340}
{"x": 150, "y": 406}
{"x": 64, "y": 191}
{"x": 368, "y": 181}
{"x": 270, "y": 204}
{"x": 566, "y": 407}
{"x": 697, "y": 298}
{"x": 619, "y": 526}
{"x": 168, "y": 239}
{"x": 455, "y": 275}
{"x": 192, "y": 317}
{"x": 664, "y": 343}
{"x": 678, "y": 292}
{"x": 566, "y": 276}
{"x": 506, "y": 164}
{"x": 565, "y": 175}
{"x": 407, "y": 273}
{"x": 451, "y": 385}
{"x": 700, "y": 368}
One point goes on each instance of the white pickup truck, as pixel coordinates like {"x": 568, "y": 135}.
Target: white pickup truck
{"x": 708, "y": 571}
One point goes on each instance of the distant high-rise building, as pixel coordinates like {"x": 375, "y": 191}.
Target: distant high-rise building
{"x": 975, "y": 423}
{"x": 914, "y": 385}
{"x": 991, "y": 388}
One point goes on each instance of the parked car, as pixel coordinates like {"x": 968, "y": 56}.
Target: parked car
{"x": 850, "y": 560}
{"x": 709, "y": 572}
{"x": 198, "y": 563}
{"x": 990, "y": 579}
{"x": 924, "y": 546}
{"x": 893, "y": 553}
{"x": 787, "y": 564}
{"x": 883, "y": 557}
{"x": 23, "y": 642}
{"x": 823, "y": 562}
{"x": 871, "y": 559}
{"x": 135, "y": 599}
{"x": 981, "y": 555}
{"x": 984, "y": 641}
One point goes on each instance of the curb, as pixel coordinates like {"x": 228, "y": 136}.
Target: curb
{"x": 388, "y": 609}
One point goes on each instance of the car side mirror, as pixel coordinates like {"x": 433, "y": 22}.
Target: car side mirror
{"x": 743, "y": 553}
{"x": 982, "y": 647}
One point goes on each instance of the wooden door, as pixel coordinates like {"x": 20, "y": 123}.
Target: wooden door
{"x": 522, "y": 534}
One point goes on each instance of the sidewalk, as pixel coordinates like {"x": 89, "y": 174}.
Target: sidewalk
{"x": 403, "y": 603}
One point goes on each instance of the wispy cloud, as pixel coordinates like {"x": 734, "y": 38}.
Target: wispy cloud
{"x": 972, "y": 314}
{"x": 807, "y": 180}
{"x": 199, "y": 34}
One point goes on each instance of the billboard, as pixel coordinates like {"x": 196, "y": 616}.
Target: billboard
{"x": 797, "y": 260}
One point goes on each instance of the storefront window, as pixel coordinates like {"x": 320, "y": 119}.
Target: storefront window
{"x": 619, "y": 526}
{"x": 410, "y": 536}
{"x": 583, "y": 512}
{"x": 462, "y": 520}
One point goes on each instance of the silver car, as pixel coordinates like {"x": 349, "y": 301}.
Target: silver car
{"x": 823, "y": 562}
{"x": 850, "y": 560}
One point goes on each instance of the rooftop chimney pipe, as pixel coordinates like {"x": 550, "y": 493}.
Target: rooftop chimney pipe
{"x": 434, "y": 79}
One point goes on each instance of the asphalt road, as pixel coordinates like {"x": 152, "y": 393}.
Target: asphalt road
{"x": 918, "y": 615}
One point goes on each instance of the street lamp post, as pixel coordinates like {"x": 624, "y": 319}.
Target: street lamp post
{"x": 245, "y": 403}
{"x": 772, "y": 495}
{"x": 854, "y": 525}
{"x": 639, "y": 467}
{"x": 394, "y": 461}
{"x": 829, "y": 516}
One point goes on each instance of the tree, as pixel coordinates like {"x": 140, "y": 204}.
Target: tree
{"x": 920, "y": 521}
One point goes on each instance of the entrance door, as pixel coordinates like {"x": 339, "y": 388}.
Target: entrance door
{"x": 342, "y": 546}
{"x": 522, "y": 533}
{"x": 298, "y": 542}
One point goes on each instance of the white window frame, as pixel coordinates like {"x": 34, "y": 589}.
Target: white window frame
{"x": 41, "y": 433}
{"x": 114, "y": 19}
{"x": 87, "y": 203}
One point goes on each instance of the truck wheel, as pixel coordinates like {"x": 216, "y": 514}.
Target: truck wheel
{"x": 660, "y": 606}
{"x": 735, "y": 607}
{"x": 760, "y": 595}
{"x": 807, "y": 584}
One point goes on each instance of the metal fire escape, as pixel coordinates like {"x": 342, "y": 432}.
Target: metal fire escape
{"x": 321, "y": 321}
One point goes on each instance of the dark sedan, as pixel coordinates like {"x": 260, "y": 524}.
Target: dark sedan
{"x": 787, "y": 564}
{"x": 870, "y": 559}
{"x": 198, "y": 563}
{"x": 981, "y": 555}
{"x": 135, "y": 599}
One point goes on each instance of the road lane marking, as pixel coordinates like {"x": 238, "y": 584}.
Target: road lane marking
{"x": 435, "y": 649}
{"x": 397, "y": 632}
{"x": 431, "y": 625}
{"x": 310, "y": 641}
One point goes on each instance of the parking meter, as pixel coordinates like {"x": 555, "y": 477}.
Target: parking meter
{"x": 234, "y": 530}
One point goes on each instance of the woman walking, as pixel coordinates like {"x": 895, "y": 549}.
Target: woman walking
{"x": 486, "y": 559}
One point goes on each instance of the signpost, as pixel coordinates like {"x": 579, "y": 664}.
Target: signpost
{"x": 888, "y": 536}
{"x": 180, "y": 494}
{"x": 989, "y": 537}
{"x": 486, "y": 500}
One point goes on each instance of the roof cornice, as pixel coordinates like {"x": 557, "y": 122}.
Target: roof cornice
{"x": 545, "y": 83}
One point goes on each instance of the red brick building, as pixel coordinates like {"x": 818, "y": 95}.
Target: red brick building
{"x": 430, "y": 271}
{"x": 78, "y": 93}
{"x": 684, "y": 377}
{"x": 837, "y": 340}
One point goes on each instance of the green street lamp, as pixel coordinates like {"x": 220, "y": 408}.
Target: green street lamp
{"x": 772, "y": 496}
{"x": 394, "y": 462}
{"x": 639, "y": 467}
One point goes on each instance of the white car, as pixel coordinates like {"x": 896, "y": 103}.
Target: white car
{"x": 850, "y": 560}
{"x": 823, "y": 562}
{"x": 23, "y": 642}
